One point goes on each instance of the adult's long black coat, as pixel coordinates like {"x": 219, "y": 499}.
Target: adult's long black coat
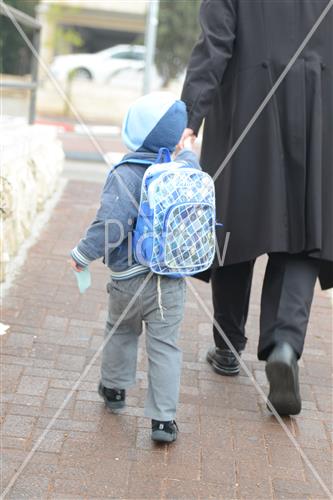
{"x": 276, "y": 193}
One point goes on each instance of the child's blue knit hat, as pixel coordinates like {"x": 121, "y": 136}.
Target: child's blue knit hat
{"x": 155, "y": 120}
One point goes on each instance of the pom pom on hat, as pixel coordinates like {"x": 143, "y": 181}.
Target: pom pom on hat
{"x": 155, "y": 120}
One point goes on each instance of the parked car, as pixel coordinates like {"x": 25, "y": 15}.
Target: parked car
{"x": 102, "y": 66}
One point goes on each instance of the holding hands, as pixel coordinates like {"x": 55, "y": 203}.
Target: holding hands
{"x": 186, "y": 140}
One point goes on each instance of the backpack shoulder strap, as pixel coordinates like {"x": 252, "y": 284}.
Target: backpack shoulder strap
{"x": 146, "y": 163}
{"x": 163, "y": 156}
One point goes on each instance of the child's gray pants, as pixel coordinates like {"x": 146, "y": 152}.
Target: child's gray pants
{"x": 160, "y": 304}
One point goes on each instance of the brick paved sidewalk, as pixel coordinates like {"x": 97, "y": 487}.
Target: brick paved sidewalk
{"x": 229, "y": 447}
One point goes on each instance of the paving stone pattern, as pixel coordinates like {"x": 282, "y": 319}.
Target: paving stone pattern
{"x": 229, "y": 446}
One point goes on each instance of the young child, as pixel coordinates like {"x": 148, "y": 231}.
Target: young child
{"x": 135, "y": 295}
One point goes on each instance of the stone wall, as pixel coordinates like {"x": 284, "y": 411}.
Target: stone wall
{"x": 31, "y": 163}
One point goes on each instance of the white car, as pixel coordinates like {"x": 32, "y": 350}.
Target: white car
{"x": 102, "y": 66}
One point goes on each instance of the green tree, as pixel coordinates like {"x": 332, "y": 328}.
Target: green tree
{"x": 15, "y": 56}
{"x": 63, "y": 38}
{"x": 178, "y": 30}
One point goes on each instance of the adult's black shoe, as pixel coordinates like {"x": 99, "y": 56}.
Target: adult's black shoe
{"x": 223, "y": 361}
{"x": 282, "y": 374}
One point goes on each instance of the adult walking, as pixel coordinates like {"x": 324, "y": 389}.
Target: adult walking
{"x": 275, "y": 195}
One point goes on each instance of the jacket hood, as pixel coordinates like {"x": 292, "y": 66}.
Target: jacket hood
{"x": 155, "y": 120}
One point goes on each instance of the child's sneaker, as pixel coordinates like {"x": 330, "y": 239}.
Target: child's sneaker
{"x": 164, "y": 431}
{"x": 113, "y": 398}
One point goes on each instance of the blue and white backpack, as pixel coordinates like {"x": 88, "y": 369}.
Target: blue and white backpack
{"x": 175, "y": 229}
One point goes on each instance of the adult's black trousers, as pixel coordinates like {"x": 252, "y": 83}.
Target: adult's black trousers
{"x": 286, "y": 299}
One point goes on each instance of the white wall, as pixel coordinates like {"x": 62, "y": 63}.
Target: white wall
{"x": 31, "y": 163}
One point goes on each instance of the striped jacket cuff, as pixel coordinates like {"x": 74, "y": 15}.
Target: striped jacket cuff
{"x": 131, "y": 272}
{"x": 79, "y": 258}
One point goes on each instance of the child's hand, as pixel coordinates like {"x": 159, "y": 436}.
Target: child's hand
{"x": 187, "y": 139}
{"x": 188, "y": 143}
{"x": 75, "y": 266}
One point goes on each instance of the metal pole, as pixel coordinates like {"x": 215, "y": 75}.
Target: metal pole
{"x": 21, "y": 17}
{"x": 150, "y": 43}
{"x": 30, "y": 22}
{"x": 4, "y": 84}
{"x": 34, "y": 78}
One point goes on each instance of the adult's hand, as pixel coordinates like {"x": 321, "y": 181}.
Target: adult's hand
{"x": 187, "y": 136}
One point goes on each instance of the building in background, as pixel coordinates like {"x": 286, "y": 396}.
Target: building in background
{"x": 100, "y": 24}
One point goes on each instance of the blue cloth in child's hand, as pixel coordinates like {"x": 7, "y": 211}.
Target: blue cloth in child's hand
{"x": 83, "y": 279}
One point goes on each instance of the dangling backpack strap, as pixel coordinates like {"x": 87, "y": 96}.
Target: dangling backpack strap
{"x": 163, "y": 156}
